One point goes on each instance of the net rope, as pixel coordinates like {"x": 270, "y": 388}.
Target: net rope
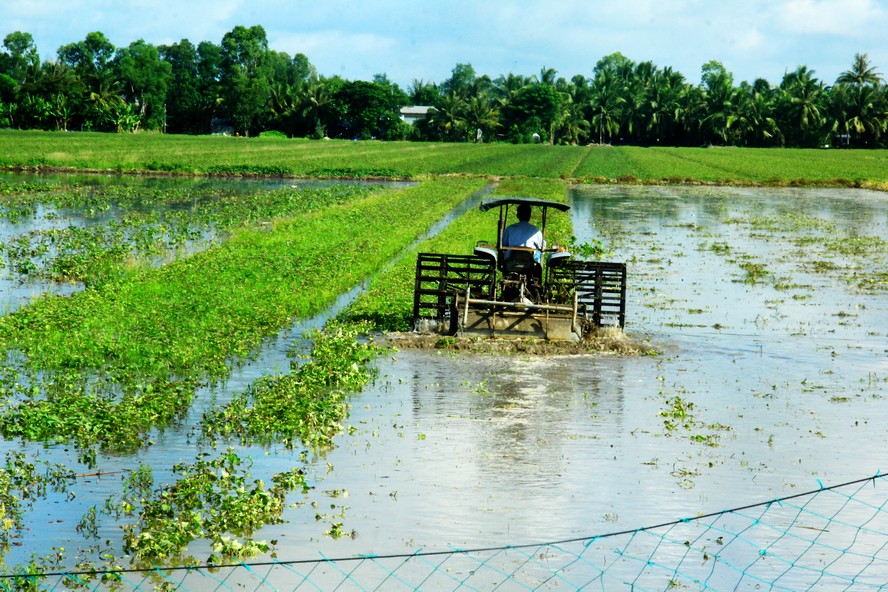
{"x": 830, "y": 538}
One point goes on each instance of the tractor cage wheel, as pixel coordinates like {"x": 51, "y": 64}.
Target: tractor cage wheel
{"x": 439, "y": 279}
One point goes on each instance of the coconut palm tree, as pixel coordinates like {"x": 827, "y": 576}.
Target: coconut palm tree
{"x": 803, "y": 100}
{"x": 605, "y": 105}
{"x": 837, "y": 113}
{"x": 449, "y": 118}
{"x": 505, "y": 88}
{"x": 754, "y": 122}
{"x": 664, "y": 101}
{"x": 480, "y": 115}
{"x": 315, "y": 104}
{"x": 547, "y": 76}
{"x": 721, "y": 100}
{"x": 105, "y": 102}
{"x": 284, "y": 104}
{"x": 422, "y": 92}
{"x": 867, "y": 114}
{"x": 862, "y": 73}
{"x": 694, "y": 110}
{"x": 571, "y": 123}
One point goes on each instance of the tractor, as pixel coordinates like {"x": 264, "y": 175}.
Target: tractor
{"x": 502, "y": 290}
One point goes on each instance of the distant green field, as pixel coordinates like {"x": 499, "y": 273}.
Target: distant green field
{"x": 330, "y": 158}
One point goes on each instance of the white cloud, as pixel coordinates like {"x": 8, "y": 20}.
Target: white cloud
{"x": 830, "y": 17}
{"x": 335, "y": 42}
{"x": 339, "y": 52}
{"x": 747, "y": 40}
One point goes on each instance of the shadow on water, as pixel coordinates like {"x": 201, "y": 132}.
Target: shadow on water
{"x": 761, "y": 389}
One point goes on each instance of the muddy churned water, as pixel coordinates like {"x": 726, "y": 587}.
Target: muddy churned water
{"x": 769, "y": 310}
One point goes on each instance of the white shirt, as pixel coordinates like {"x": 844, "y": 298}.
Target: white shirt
{"x": 523, "y": 234}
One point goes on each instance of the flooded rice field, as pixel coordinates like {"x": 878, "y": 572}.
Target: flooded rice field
{"x": 768, "y": 308}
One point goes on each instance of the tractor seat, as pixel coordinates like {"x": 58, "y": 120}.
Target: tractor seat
{"x": 520, "y": 262}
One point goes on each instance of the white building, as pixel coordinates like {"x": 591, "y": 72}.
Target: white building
{"x": 413, "y": 113}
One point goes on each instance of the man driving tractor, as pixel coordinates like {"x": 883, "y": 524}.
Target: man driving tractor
{"x": 523, "y": 233}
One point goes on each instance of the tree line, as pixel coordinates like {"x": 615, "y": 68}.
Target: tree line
{"x": 244, "y": 86}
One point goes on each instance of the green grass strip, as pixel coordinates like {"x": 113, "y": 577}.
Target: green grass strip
{"x": 338, "y": 158}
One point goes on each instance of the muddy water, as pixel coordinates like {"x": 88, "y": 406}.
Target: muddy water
{"x": 781, "y": 388}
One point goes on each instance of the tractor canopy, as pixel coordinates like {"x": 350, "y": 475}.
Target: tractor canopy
{"x": 508, "y": 201}
{"x": 504, "y": 204}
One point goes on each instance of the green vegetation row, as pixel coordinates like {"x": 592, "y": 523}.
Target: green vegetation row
{"x": 242, "y": 86}
{"x": 216, "y": 497}
{"x": 109, "y": 364}
{"x": 147, "y": 225}
{"x": 330, "y": 158}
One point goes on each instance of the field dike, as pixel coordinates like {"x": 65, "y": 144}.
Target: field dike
{"x": 196, "y": 156}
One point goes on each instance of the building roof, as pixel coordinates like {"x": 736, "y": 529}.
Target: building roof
{"x": 415, "y": 110}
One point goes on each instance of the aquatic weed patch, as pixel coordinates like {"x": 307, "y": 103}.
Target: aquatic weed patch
{"x": 754, "y": 272}
{"x": 217, "y": 497}
{"x": 92, "y": 255}
{"x": 857, "y": 246}
{"x": 213, "y": 498}
{"x": 679, "y": 415}
{"x": 304, "y": 407}
{"x": 823, "y": 248}
{"x": 65, "y": 406}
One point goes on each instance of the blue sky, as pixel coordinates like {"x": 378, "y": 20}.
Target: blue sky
{"x": 425, "y": 39}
